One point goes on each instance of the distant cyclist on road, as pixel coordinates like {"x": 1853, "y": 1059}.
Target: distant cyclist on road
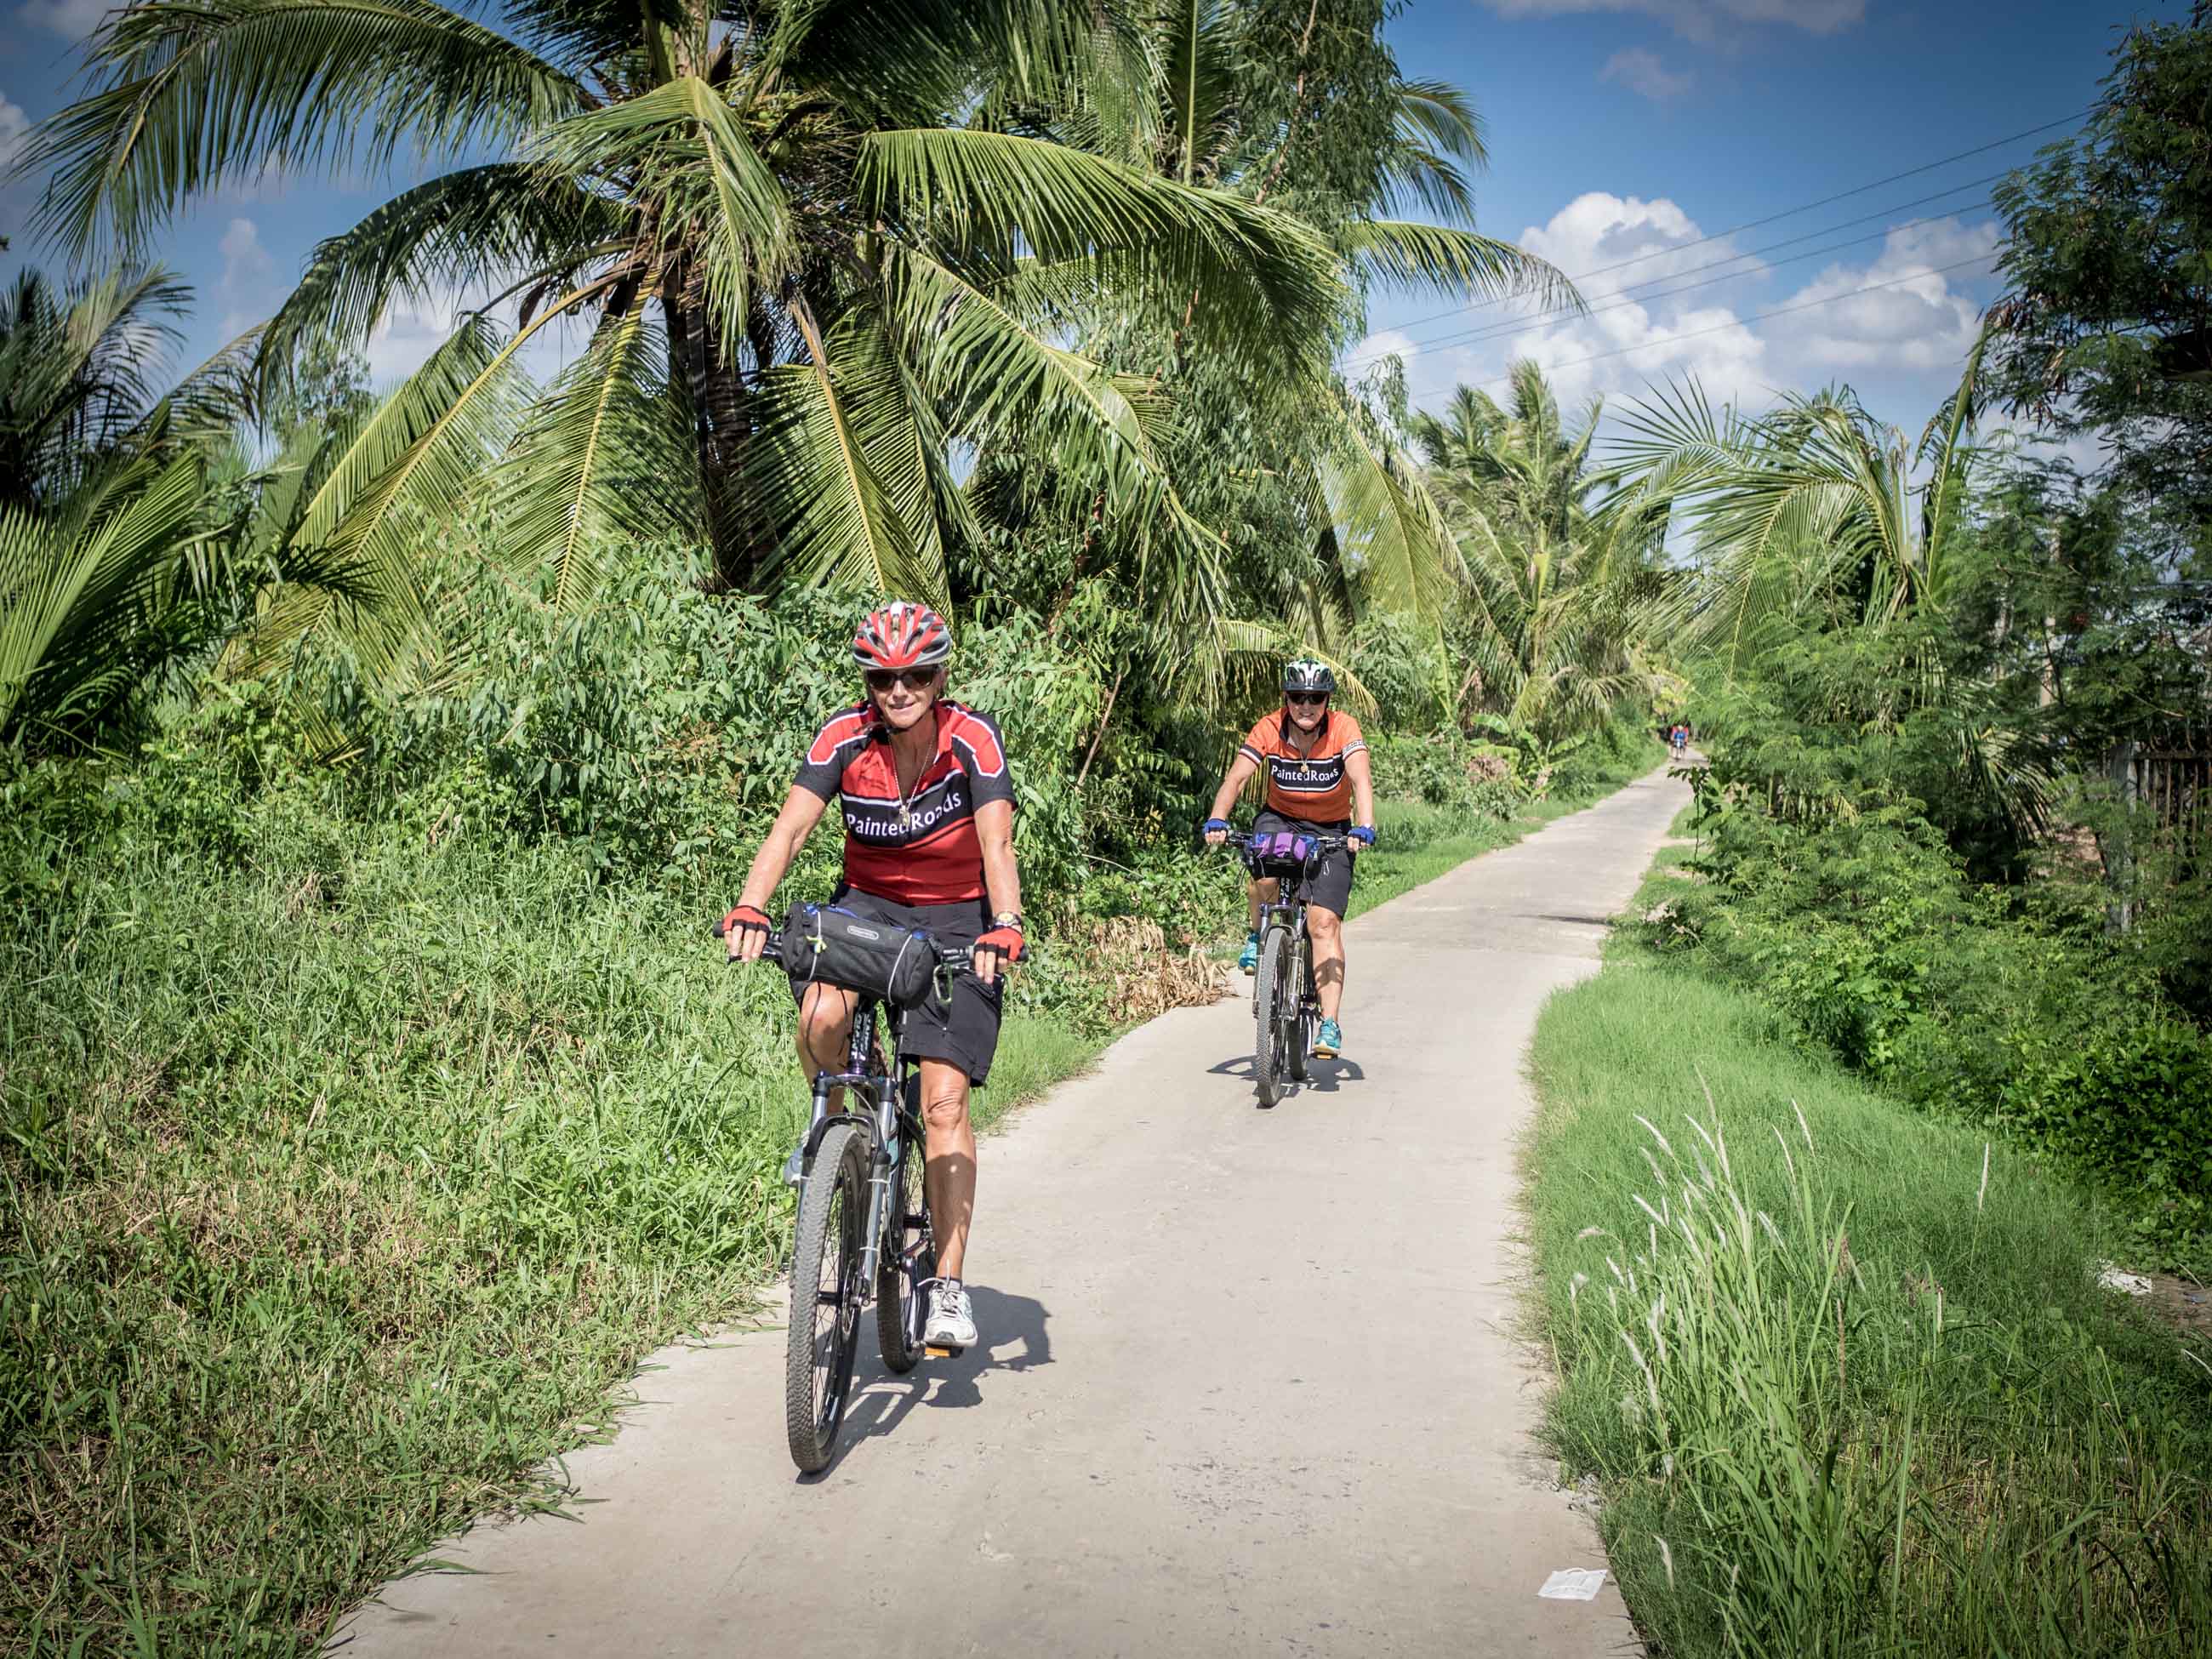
{"x": 1317, "y": 768}
{"x": 928, "y": 804}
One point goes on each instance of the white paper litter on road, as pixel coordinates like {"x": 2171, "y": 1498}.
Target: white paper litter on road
{"x": 1574, "y": 1584}
{"x": 2127, "y": 1284}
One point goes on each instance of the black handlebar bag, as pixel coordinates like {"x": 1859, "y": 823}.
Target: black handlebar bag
{"x": 837, "y": 946}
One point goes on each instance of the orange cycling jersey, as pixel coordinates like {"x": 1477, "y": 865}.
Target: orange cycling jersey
{"x": 1309, "y": 784}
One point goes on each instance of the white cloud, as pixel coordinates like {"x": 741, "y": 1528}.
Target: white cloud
{"x": 1901, "y": 345}
{"x": 73, "y": 20}
{"x": 245, "y": 289}
{"x": 1641, "y": 72}
{"x": 411, "y": 329}
{"x": 1622, "y": 343}
{"x": 1915, "y": 318}
{"x": 1387, "y": 343}
{"x": 1708, "y": 22}
{"x": 15, "y": 125}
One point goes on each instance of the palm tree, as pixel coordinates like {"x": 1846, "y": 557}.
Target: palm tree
{"x": 1560, "y": 617}
{"x": 1322, "y": 508}
{"x": 1521, "y": 461}
{"x": 1814, "y": 504}
{"x": 817, "y": 248}
{"x": 1818, "y": 513}
{"x": 78, "y": 369}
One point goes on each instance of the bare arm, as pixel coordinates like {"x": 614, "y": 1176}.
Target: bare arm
{"x": 994, "y": 827}
{"x": 802, "y": 809}
{"x": 1240, "y": 772}
{"x": 1362, "y": 788}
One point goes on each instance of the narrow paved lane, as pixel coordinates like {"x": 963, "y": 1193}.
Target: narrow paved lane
{"x": 1251, "y": 1384}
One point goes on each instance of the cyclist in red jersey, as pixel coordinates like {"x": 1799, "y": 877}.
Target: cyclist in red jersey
{"x": 928, "y": 804}
{"x": 1318, "y": 772}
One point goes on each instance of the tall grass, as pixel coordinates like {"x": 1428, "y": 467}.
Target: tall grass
{"x": 1844, "y": 1373}
{"x": 337, "y": 1196}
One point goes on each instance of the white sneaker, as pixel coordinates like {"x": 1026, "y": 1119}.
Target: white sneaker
{"x": 951, "y": 1322}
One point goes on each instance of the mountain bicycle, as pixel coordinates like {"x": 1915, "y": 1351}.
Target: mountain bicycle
{"x": 1285, "y": 1001}
{"x": 864, "y": 1224}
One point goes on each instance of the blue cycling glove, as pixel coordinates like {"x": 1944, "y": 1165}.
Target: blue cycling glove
{"x": 1213, "y": 824}
{"x": 1364, "y": 834}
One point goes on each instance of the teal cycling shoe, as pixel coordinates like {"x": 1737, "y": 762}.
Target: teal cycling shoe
{"x": 1329, "y": 1043}
{"x": 1249, "y": 961}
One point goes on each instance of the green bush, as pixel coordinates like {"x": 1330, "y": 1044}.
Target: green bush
{"x": 2129, "y": 1102}
{"x": 1863, "y": 931}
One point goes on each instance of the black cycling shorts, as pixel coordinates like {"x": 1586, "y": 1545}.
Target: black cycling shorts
{"x": 1330, "y": 885}
{"x": 964, "y": 1029}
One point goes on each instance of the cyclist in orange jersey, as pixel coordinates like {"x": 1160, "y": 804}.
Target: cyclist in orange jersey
{"x": 1317, "y": 775}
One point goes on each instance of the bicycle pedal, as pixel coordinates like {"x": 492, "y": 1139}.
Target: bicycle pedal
{"x": 942, "y": 1353}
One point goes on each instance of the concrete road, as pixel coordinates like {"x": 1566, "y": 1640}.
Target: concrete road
{"x": 1250, "y": 1385}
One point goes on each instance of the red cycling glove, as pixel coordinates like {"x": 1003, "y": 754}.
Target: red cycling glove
{"x": 1006, "y": 941}
{"x": 744, "y": 916}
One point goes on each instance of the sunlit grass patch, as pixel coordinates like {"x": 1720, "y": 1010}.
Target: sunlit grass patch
{"x": 1849, "y": 1388}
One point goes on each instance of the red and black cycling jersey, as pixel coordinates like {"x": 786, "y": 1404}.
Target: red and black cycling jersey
{"x": 923, "y": 849}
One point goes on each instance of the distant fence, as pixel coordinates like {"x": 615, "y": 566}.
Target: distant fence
{"x": 2173, "y": 785}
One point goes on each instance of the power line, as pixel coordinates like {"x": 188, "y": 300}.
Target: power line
{"x": 1555, "y": 312}
{"x": 1719, "y": 328}
{"x": 1786, "y": 212}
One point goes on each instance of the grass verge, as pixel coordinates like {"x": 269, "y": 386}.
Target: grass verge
{"x": 1844, "y": 1373}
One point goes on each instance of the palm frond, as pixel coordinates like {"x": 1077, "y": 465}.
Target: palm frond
{"x": 463, "y": 232}
{"x": 603, "y": 462}
{"x": 401, "y": 468}
{"x": 836, "y": 454}
{"x": 195, "y": 96}
{"x": 1002, "y": 191}
{"x": 1435, "y": 259}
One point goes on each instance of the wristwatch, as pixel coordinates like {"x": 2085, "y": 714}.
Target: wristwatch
{"x": 1008, "y": 919}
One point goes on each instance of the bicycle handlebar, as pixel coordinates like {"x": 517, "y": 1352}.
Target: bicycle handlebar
{"x": 952, "y": 955}
{"x": 1322, "y": 843}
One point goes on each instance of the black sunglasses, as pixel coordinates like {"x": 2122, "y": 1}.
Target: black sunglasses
{"x": 1305, "y": 696}
{"x": 915, "y": 679}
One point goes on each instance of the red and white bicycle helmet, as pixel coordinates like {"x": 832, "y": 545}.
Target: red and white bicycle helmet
{"x": 902, "y": 635}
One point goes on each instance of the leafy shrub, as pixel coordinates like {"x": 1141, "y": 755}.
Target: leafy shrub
{"x": 1443, "y": 768}
{"x": 1861, "y": 927}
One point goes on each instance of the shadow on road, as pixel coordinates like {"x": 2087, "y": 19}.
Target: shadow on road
{"x": 1014, "y": 1340}
{"x": 1324, "y": 1076}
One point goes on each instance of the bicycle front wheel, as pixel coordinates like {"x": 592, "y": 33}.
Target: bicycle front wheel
{"x": 1273, "y": 991}
{"x": 1299, "y": 1015}
{"x": 825, "y": 1296}
{"x": 908, "y": 1262}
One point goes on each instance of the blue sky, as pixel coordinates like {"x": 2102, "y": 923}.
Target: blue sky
{"x": 1624, "y": 129}
{"x": 1620, "y": 129}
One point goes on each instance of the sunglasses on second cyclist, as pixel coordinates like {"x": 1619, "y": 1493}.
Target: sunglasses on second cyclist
{"x": 1306, "y": 699}
{"x": 915, "y": 679}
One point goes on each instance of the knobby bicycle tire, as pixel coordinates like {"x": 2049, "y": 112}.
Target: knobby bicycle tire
{"x": 817, "y": 1360}
{"x": 1273, "y": 983}
{"x": 910, "y": 1257}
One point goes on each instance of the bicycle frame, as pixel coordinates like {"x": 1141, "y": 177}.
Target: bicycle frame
{"x": 883, "y": 1092}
